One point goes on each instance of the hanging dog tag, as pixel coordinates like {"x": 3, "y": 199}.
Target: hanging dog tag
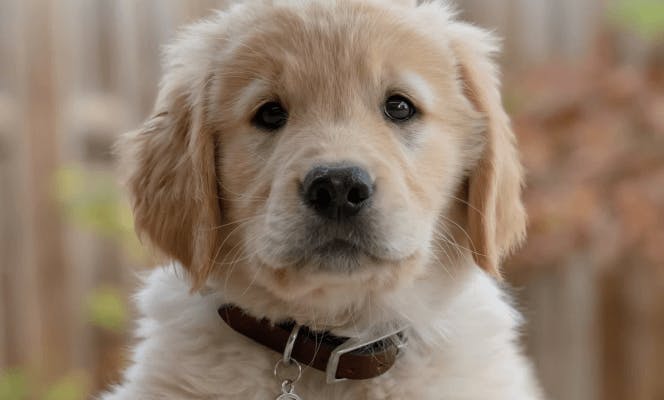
{"x": 288, "y": 391}
{"x": 281, "y": 369}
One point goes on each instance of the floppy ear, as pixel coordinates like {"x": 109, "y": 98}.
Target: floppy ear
{"x": 171, "y": 176}
{"x": 496, "y": 216}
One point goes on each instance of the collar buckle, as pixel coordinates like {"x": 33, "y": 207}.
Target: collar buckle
{"x": 395, "y": 336}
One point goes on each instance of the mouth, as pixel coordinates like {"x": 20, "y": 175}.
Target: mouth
{"x": 339, "y": 248}
{"x": 337, "y": 255}
{"x": 322, "y": 246}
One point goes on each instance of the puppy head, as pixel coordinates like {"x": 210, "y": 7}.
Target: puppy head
{"x": 327, "y": 144}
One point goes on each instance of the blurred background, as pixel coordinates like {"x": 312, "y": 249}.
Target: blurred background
{"x": 584, "y": 82}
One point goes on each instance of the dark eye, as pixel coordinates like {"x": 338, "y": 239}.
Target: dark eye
{"x": 399, "y": 108}
{"x": 270, "y": 116}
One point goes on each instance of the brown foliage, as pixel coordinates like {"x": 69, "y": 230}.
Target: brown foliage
{"x": 592, "y": 140}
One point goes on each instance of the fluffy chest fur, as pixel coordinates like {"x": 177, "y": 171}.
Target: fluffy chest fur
{"x": 462, "y": 348}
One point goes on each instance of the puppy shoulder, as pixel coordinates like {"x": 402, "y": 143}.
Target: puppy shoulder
{"x": 166, "y": 299}
{"x": 179, "y": 335}
{"x": 485, "y": 297}
{"x": 487, "y": 321}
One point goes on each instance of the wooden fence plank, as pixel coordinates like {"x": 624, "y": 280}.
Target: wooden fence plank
{"x": 563, "y": 342}
{"x": 23, "y": 331}
{"x": 8, "y": 212}
{"x": 43, "y": 241}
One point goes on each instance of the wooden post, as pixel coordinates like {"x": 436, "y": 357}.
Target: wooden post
{"x": 560, "y": 310}
{"x": 44, "y": 283}
{"x": 8, "y": 174}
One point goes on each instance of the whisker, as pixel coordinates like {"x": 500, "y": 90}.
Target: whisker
{"x": 448, "y": 240}
{"x": 468, "y": 204}
{"x": 453, "y": 244}
{"x": 221, "y": 246}
{"x": 441, "y": 263}
{"x": 240, "y": 195}
{"x": 253, "y": 279}
{"x": 243, "y": 199}
{"x": 470, "y": 240}
{"x": 238, "y": 221}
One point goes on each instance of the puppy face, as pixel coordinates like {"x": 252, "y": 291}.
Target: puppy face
{"x": 320, "y": 146}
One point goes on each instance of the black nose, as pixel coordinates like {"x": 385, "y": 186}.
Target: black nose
{"x": 337, "y": 192}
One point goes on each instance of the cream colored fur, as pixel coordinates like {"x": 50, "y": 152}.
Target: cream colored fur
{"x": 221, "y": 198}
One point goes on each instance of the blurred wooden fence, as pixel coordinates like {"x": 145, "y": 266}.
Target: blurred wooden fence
{"x": 75, "y": 73}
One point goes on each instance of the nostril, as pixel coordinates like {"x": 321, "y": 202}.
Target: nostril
{"x": 321, "y": 196}
{"x": 357, "y": 195}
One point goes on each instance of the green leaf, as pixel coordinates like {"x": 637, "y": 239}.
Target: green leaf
{"x": 71, "y": 387}
{"x": 645, "y": 17}
{"x": 13, "y": 385}
{"x": 106, "y": 309}
{"x": 92, "y": 200}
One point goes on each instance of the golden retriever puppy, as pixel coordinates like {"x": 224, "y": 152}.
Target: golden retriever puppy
{"x": 336, "y": 183}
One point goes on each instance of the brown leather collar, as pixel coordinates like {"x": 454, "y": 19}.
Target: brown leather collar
{"x": 339, "y": 357}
